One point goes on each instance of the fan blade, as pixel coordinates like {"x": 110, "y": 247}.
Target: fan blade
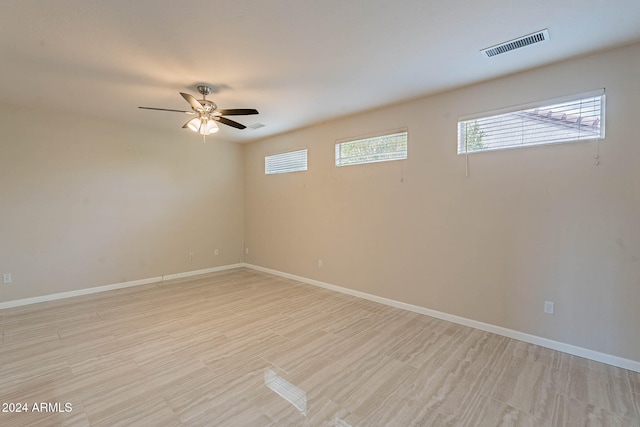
{"x": 167, "y": 109}
{"x": 192, "y": 101}
{"x": 238, "y": 112}
{"x": 229, "y": 122}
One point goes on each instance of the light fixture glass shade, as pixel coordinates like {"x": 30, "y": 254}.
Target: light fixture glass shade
{"x": 194, "y": 124}
{"x": 212, "y": 127}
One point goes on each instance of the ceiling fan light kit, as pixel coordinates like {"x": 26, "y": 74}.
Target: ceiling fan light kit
{"x": 207, "y": 113}
{"x": 203, "y": 126}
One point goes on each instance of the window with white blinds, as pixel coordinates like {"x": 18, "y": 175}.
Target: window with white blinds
{"x": 576, "y": 118}
{"x": 292, "y": 161}
{"x": 379, "y": 148}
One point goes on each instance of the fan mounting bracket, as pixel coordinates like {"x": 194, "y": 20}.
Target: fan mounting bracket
{"x": 204, "y": 90}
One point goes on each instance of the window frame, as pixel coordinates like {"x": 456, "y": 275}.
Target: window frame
{"x": 462, "y": 145}
{"x": 281, "y": 158}
{"x": 342, "y": 161}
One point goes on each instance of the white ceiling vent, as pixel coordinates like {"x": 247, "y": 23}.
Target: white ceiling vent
{"x": 256, "y": 126}
{"x": 523, "y": 41}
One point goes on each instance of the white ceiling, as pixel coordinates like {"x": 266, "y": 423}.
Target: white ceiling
{"x": 298, "y": 62}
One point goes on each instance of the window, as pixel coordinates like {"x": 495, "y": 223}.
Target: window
{"x": 576, "y": 118}
{"x": 292, "y": 161}
{"x": 380, "y": 148}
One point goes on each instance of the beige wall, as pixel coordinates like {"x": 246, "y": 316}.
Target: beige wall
{"x": 527, "y": 225}
{"x": 88, "y": 202}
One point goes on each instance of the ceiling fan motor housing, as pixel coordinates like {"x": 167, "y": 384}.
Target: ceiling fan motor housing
{"x": 209, "y": 106}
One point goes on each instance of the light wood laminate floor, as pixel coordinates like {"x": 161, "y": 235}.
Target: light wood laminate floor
{"x": 244, "y": 348}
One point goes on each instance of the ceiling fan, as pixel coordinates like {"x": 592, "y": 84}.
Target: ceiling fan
{"x": 207, "y": 113}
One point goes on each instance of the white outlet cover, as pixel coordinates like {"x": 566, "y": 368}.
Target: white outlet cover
{"x": 548, "y": 307}
{"x": 6, "y": 278}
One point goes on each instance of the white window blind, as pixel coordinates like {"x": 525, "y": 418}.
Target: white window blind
{"x": 292, "y": 161}
{"x": 380, "y": 148}
{"x": 580, "y": 117}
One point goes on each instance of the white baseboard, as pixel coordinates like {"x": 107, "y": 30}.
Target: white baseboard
{"x": 94, "y": 290}
{"x": 199, "y": 272}
{"x": 597, "y": 356}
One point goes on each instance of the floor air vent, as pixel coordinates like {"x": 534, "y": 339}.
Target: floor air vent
{"x": 523, "y": 41}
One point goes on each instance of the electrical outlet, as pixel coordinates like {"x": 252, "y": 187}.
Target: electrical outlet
{"x": 215, "y": 252}
{"x": 548, "y": 307}
{"x": 246, "y": 251}
{"x": 320, "y": 263}
{"x": 6, "y": 278}
{"x": 191, "y": 256}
